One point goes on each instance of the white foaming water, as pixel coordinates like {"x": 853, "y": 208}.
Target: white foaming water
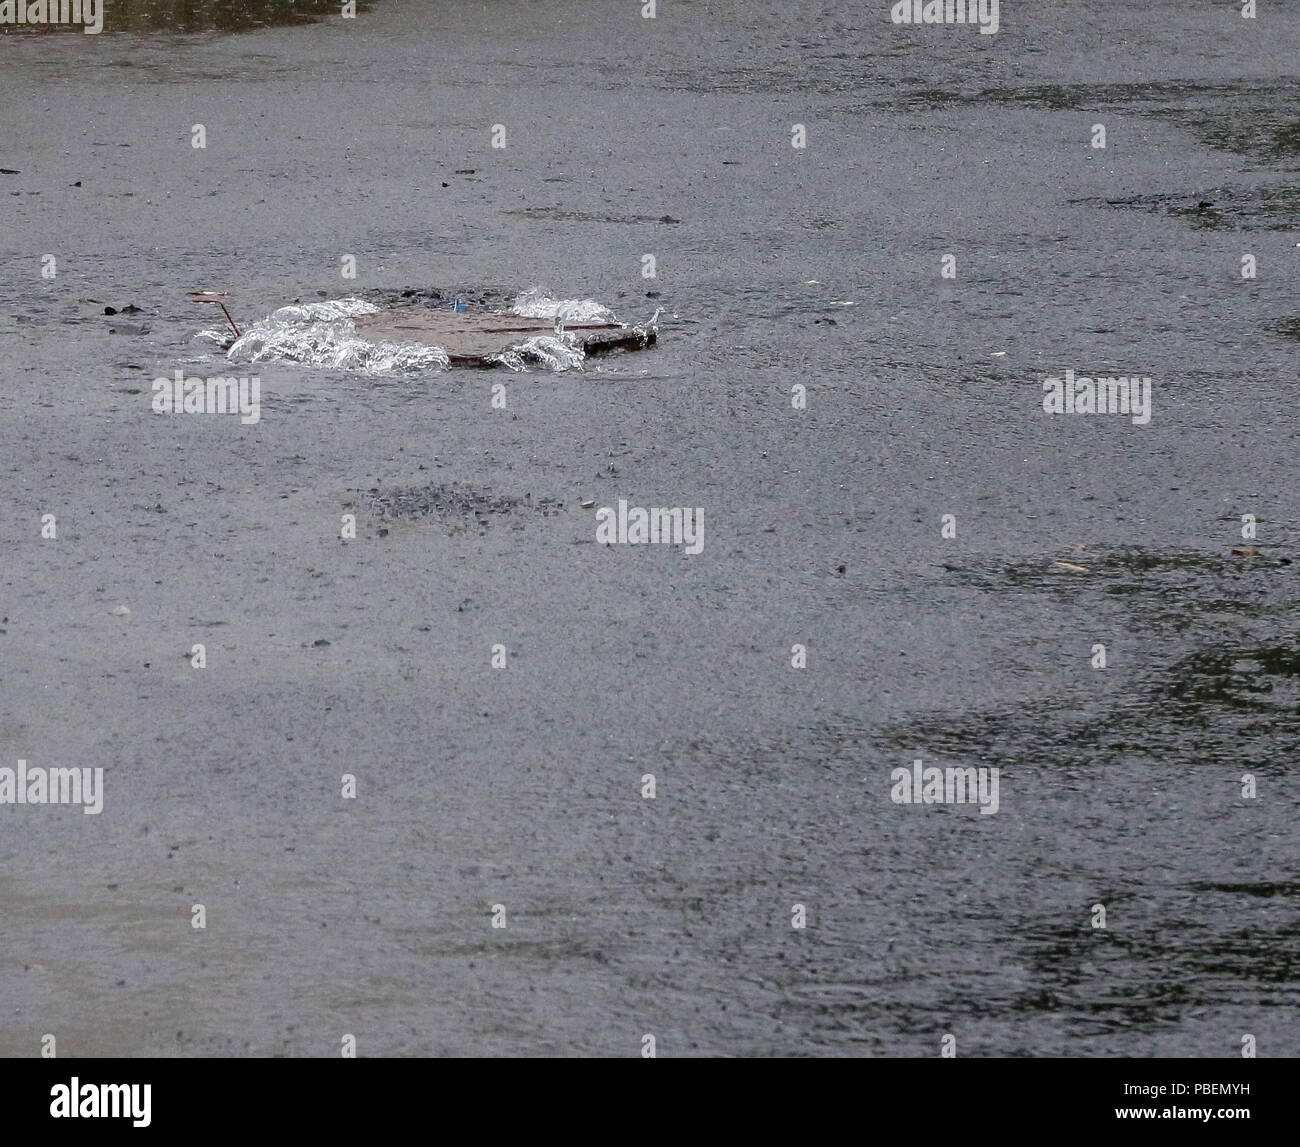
{"x": 323, "y": 334}
{"x": 537, "y": 304}
{"x": 558, "y": 352}
{"x": 327, "y": 311}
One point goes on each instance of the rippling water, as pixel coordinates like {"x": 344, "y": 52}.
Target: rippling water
{"x": 1160, "y": 788}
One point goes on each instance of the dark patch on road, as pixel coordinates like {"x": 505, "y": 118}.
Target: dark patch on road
{"x": 456, "y": 503}
{"x": 560, "y": 214}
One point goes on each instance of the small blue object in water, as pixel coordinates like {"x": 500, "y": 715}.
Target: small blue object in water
{"x": 460, "y": 306}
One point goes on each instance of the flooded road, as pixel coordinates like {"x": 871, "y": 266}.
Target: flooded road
{"x": 948, "y": 554}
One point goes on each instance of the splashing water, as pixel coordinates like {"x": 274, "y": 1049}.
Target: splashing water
{"x": 327, "y": 311}
{"x": 560, "y": 351}
{"x": 650, "y": 328}
{"x": 537, "y": 304}
{"x": 323, "y": 334}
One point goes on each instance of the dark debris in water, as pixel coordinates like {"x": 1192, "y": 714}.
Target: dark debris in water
{"x": 455, "y": 503}
{"x": 1161, "y": 94}
{"x": 1164, "y": 591}
{"x": 1216, "y": 208}
{"x": 564, "y": 215}
{"x": 1264, "y": 888}
{"x": 1121, "y": 570}
{"x": 189, "y": 16}
{"x": 476, "y": 298}
{"x": 1119, "y": 560}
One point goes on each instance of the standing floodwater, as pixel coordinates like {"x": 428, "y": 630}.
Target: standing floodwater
{"x": 409, "y": 682}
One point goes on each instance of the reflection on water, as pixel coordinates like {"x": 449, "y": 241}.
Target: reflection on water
{"x": 1216, "y": 687}
{"x": 184, "y": 15}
